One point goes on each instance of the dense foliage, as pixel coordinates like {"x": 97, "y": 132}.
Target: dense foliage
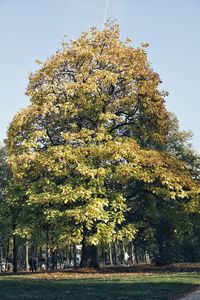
{"x": 96, "y": 158}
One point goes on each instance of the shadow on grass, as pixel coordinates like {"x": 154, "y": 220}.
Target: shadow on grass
{"x": 90, "y": 289}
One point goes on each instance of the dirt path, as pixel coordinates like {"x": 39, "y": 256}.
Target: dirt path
{"x": 192, "y": 296}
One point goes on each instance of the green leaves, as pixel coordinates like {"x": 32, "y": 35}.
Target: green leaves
{"x": 95, "y": 119}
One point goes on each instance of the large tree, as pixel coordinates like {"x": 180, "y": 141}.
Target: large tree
{"x": 78, "y": 146}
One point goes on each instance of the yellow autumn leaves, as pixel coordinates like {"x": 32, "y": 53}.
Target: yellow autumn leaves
{"x": 93, "y": 124}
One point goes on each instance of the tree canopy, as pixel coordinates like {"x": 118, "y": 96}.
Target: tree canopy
{"x": 89, "y": 142}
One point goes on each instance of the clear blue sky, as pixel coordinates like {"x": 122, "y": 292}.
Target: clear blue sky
{"x": 33, "y": 29}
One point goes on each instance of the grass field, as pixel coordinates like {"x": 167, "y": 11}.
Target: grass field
{"x": 105, "y": 284}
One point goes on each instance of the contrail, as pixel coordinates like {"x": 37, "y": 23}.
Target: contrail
{"x": 105, "y": 14}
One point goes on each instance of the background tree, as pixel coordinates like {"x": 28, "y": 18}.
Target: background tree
{"x": 165, "y": 226}
{"x": 5, "y": 230}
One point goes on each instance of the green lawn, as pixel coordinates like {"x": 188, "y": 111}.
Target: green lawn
{"x": 80, "y": 286}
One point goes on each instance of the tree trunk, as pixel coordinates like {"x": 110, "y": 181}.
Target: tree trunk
{"x": 136, "y": 255}
{"x": 162, "y": 259}
{"x": 110, "y": 254}
{"x": 132, "y": 253}
{"x": 1, "y": 251}
{"x": 40, "y": 261}
{"x": 7, "y": 253}
{"x": 75, "y": 255}
{"x": 122, "y": 253}
{"x": 54, "y": 259}
{"x": 47, "y": 250}
{"x": 15, "y": 250}
{"x": 89, "y": 258}
{"x": 115, "y": 253}
{"x": 26, "y": 256}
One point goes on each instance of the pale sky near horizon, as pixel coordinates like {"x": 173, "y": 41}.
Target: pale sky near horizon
{"x": 34, "y": 29}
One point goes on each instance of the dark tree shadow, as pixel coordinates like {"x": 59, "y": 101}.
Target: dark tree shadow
{"x": 90, "y": 289}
